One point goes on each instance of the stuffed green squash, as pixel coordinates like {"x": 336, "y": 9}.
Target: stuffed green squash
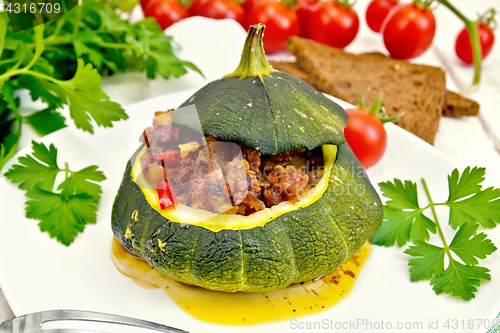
{"x": 238, "y": 227}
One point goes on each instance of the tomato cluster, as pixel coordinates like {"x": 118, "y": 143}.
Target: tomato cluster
{"x": 408, "y": 29}
{"x": 332, "y": 22}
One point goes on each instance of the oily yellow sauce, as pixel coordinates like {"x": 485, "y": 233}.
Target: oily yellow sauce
{"x": 246, "y": 308}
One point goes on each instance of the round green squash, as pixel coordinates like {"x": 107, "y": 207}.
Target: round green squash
{"x": 271, "y": 112}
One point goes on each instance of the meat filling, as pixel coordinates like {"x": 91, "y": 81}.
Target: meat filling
{"x": 224, "y": 177}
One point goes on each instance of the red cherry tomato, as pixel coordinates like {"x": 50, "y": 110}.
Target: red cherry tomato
{"x": 304, "y": 13}
{"x": 218, "y": 9}
{"x": 248, "y": 4}
{"x": 333, "y": 24}
{"x": 408, "y": 31}
{"x": 377, "y": 11}
{"x": 463, "y": 47}
{"x": 166, "y": 12}
{"x": 366, "y": 135}
{"x": 281, "y": 22}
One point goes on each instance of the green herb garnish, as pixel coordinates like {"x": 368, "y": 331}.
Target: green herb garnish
{"x": 470, "y": 207}
{"x": 61, "y": 63}
{"x": 65, "y": 212}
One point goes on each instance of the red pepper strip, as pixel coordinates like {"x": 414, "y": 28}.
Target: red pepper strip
{"x": 166, "y": 194}
{"x": 170, "y": 157}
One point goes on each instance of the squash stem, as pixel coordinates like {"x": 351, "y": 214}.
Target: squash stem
{"x": 253, "y": 61}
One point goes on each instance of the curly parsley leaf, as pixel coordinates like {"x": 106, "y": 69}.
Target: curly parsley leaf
{"x": 402, "y": 196}
{"x": 403, "y": 218}
{"x": 468, "y": 202}
{"x": 63, "y": 213}
{"x": 467, "y": 184}
{"x": 154, "y": 51}
{"x": 83, "y": 181}
{"x": 46, "y": 121}
{"x": 38, "y": 170}
{"x": 430, "y": 263}
{"x": 469, "y": 247}
{"x": 53, "y": 62}
{"x": 85, "y": 98}
{"x": 460, "y": 280}
{"x": 62, "y": 217}
{"x": 470, "y": 206}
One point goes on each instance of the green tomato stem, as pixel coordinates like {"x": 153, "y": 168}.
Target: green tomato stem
{"x": 423, "y": 4}
{"x": 471, "y": 27}
{"x": 361, "y": 104}
{"x": 476, "y": 51}
{"x": 431, "y": 205}
{"x": 346, "y": 3}
{"x": 375, "y": 108}
{"x": 289, "y": 3}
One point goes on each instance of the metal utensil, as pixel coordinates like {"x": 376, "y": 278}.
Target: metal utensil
{"x": 32, "y": 323}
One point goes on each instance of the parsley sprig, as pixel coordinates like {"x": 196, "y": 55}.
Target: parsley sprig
{"x": 470, "y": 207}
{"x": 61, "y": 63}
{"x": 65, "y": 212}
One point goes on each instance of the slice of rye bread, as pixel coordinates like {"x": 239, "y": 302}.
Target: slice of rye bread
{"x": 454, "y": 105}
{"x": 418, "y": 91}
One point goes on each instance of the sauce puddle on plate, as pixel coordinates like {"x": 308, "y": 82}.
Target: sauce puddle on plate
{"x": 246, "y": 308}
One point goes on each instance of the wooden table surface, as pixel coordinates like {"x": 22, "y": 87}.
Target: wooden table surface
{"x": 469, "y": 141}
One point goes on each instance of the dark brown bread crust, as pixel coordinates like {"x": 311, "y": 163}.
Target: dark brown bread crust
{"x": 418, "y": 91}
{"x": 458, "y": 106}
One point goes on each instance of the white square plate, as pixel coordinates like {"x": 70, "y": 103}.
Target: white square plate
{"x": 37, "y": 273}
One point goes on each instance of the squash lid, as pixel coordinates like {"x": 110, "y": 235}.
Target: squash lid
{"x": 262, "y": 108}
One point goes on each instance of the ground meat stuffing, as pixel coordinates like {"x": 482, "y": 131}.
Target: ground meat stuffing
{"x": 224, "y": 177}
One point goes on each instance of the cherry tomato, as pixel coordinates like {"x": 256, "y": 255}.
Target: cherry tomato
{"x": 366, "y": 135}
{"x": 248, "y": 4}
{"x": 166, "y": 12}
{"x": 377, "y": 11}
{"x": 408, "y": 31}
{"x": 218, "y": 9}
{"x": 281, "y": 22}
{"x": 333, "y": 24}
{"x": 463, "y": 47}
{"x": 304, "y": 13}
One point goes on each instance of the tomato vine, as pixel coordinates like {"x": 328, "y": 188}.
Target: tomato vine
{"x": 472, "y": 28}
